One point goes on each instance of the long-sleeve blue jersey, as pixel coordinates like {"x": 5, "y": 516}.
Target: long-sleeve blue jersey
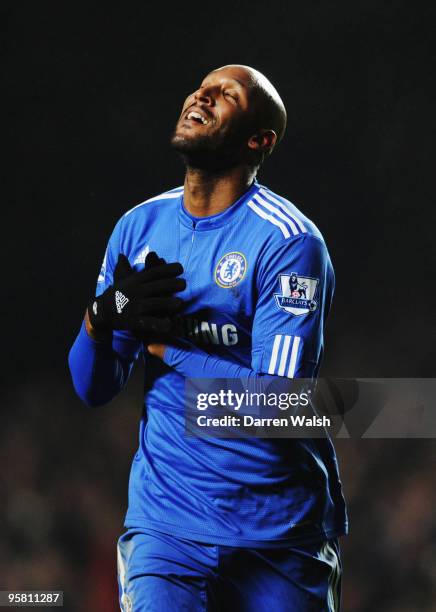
{"x": 259, "y": 288}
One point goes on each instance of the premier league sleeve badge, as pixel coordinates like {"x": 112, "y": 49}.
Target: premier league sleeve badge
{"x": 298, "y": 293}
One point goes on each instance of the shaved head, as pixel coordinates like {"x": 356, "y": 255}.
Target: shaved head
{"x": 270, "y": 112}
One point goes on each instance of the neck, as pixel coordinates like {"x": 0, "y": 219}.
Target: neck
{"x": 208, "y": 193}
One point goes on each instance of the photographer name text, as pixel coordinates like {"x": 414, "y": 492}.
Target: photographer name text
{"x": 251, "y": 421}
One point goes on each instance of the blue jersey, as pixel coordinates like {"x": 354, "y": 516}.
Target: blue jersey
{"x": 259, "y": 288}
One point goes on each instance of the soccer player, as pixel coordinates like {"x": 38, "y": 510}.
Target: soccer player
{"x": 218, "y": 524}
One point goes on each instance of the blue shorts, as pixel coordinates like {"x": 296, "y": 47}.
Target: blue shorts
{"x": 161, "y": 572}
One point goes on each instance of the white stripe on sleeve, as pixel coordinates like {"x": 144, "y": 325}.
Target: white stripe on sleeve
{"x": 294, "y": 355}
{"x": 284, "y": 356}
{"x": 274, "y": 354}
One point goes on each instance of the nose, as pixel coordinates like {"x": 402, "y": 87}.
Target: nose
{"x": 205, "y": 95}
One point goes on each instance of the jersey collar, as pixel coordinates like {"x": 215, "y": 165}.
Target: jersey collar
{"x": 222, "y": 218}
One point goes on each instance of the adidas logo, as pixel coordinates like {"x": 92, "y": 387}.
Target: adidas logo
{"x": 140, "y": 259}
{"x": 120, "y": 301}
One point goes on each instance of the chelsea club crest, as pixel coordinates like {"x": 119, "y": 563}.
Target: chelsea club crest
{"x": 230, "y": 270}
{"x": 298, "y": 293}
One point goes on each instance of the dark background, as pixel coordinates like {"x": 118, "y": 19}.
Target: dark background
{"x": 91, "y": 100}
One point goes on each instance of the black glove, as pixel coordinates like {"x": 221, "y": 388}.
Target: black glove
{"x": 139, "y": 301}
{"x": 152, "y": 261}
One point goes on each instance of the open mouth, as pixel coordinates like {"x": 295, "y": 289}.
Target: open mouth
{"x": 197, "y": 117}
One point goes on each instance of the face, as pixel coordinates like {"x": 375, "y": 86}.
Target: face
{"x": 214, "y": 125}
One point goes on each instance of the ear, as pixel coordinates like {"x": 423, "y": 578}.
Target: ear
{"x": 264, "y": 141}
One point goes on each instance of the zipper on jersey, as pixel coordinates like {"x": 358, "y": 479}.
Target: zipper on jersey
{"x": 185, "y": 263}
{"x": 191, "y": 247}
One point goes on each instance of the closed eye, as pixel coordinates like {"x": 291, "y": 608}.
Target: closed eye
{"x": 230, "y": 94}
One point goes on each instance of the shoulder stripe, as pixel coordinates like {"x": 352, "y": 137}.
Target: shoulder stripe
{"x": 181, "y": 188}
{"x": 329, "y": 555}
{"x": 278, "y": 212}
{"x": 285, "y": 205}
{"x": 169, "y": 195}
{"x": 121, "y": 567}
{"x": 269, "y": 218}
